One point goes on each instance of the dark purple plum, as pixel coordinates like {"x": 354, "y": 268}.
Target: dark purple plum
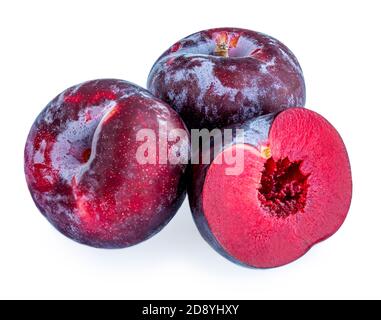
{"x": 218, "y": 77}
{"x": 82, "y": 170}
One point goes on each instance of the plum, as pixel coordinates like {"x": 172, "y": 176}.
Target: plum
{"x": 82, "y": 168}
{"x": 218, "y": 77}
{"x": 293, "y": 189}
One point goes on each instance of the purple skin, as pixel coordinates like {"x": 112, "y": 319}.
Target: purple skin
{"x": 82, "y": 171}
{"x": 218, "y": 77}
{"x": 255, "y": 132}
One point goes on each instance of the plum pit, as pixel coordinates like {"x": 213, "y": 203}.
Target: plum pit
{"x": 283, "y": 190}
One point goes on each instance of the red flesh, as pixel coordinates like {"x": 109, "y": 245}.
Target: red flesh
{"x": 250, "y": 216}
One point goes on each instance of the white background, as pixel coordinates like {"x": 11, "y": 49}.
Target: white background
{"x": 47, "y": 46}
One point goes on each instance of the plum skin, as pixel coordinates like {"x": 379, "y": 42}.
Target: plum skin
{"x": 81, "y": 168}
{"x": 197, "y": 172}
{"x": 260, "y": 76}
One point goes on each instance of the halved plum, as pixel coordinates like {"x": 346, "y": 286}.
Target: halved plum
{"x": 294, "y": 189}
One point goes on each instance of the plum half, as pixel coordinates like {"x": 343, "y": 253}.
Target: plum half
{"x": 294, "y": 189}
{"x": 82, "y": 170}
{"x": 223, "y": 76}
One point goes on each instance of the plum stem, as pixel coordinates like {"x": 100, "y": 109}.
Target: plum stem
{"x": 222, "y": 50}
